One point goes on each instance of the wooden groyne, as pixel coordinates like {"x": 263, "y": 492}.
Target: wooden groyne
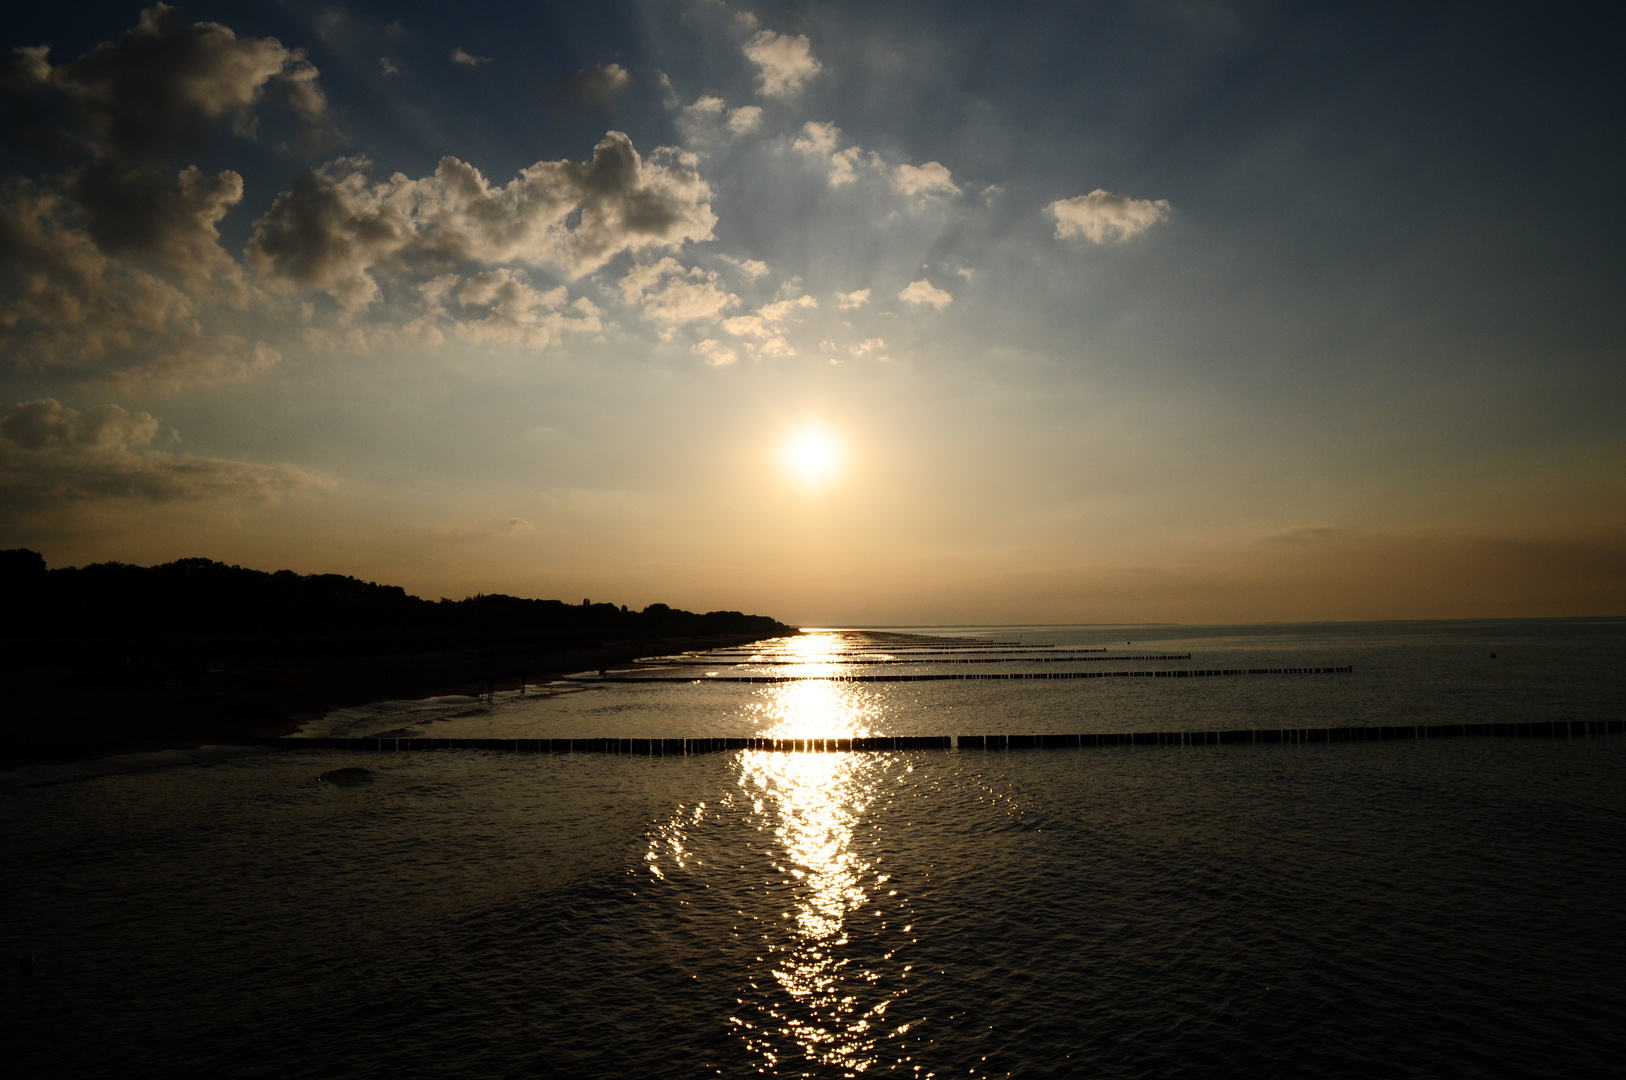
{"x": 628, "y": 747}
{"x": 856, "y": 662}
{"x": 971, "y": 676}
{"x": 1557, "y": 729}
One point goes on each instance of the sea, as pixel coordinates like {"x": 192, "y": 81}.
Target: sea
{"x": 1376, "y": 908}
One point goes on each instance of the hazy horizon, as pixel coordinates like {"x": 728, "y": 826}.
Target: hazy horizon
{"x": 910, "y": 315}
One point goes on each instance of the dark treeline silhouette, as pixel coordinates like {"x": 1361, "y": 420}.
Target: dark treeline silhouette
{"x": 199, "y": 599}
{"x": 112, "y": 656}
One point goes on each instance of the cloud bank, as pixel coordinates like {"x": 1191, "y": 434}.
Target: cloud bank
{"x": 50, "y": 454}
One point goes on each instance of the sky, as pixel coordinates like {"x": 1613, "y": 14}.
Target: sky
{"x": 846, "y": 313}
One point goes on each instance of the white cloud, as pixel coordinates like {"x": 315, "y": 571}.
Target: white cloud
{"x": 709, "y": 117}
{"x": 667, "y": 292}
{"x": 1102, "y": 217}
{"x": 783, "y": 309}
{"x": 716, "y": 353}
{"x": 819, "y": 141}
{"x": 851, "y": 301}
{"x": 925, "y": 180}
{"x": 387, "y": 67}
{"x": 784, "y": 63}
{"x": 744, "y": 120}
{"x": 751, "y": 268}
{"x": 336, "y": 227}
{"x": 50, "y": 455}
{"x": 867, "y": 346}
{"x": 763, "y": 323}
{"x": 923, "y": 294}
{"x": 468, "y": 59}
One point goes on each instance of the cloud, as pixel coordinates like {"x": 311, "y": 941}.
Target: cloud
{"x": 784, "y": 63}
{"x": 1309, "y": 534}
{"x": 50, "y": 454}
{"x": 499, "y": 305}
{"x": 819, "y": 141}
{"x": 512, "y": 527}
{"x": 744, "y": 120}
{"x": 166, "y": 83}
{"x": 920, "y": 181}
{"x": 751, "y": 268}
{"x": 227, "y": 359}
{"x": 116, "y": 254}
{"x": 851, "y": 301}
{"x": 139, "y": 213}
{"x": 667, "y": 292}
{"x": 335, "y": 227}
{"x": 1102, "y": 217}
{"x": 468, "y": 59}
{"x": 923, "y": 294}
{"x": 67, "y": 301}
{"x": 867, "y": 346}
{"x": 716, "y": 353}
{"x": 386, "y": 66}
{"x": 764, "y": 321}
{"x": 764, "y": 326}
{"x": 597, "y": 85}
{"x": 705, "y": 120}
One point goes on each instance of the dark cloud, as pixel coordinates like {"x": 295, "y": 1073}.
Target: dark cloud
{"x": 111, "y": 254}
{"x": 595, "y": 87}
{"x": 166, "y": 84}
{"x": 65, "y": 301}
{"x": 142, "y": 213}
{"x": 50, "y": 454}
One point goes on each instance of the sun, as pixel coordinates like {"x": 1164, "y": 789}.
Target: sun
{"x": 812, "y": 456}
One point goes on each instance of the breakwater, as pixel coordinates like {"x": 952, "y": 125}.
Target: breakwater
{"x": 972, "y": 676}
{"x": 1557, "y": 729}
{"x": 860, "y": 662}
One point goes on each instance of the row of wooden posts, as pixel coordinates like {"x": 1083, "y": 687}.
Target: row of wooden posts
{"x": 1558, "y": 729}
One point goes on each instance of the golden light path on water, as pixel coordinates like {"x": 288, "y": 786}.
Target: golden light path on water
{"x": 817, "y": 993}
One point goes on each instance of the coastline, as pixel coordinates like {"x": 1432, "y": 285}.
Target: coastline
{"x": 55, "y": 720}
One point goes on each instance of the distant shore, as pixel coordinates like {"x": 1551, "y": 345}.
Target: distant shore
{"x": 52, "y": 717}
{"x": 112, "y": 658}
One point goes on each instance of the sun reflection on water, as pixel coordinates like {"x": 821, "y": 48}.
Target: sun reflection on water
{"x": 828, "y": 921}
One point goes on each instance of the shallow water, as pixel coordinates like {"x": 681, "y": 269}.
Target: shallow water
{"x": 1426, "y": 909}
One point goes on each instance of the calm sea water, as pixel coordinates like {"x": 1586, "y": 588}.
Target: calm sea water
{"x": 1416, "y": 908}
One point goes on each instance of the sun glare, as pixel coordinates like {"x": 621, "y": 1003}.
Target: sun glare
{"x": 812, "y": 456}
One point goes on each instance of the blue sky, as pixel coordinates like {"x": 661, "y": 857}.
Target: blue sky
{"x": 1111, "y": 312}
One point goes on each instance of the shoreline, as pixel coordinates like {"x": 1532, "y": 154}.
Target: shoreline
{"x": 58, "y": 720}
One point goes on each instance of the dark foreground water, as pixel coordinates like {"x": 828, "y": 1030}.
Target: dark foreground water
{"x": 1374, "y": 909}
